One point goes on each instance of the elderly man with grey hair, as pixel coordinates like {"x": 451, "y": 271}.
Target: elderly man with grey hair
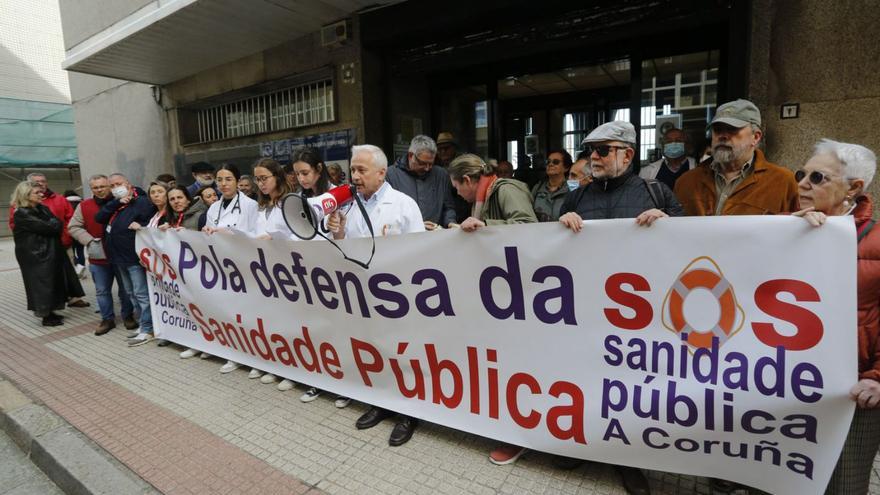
{"x": 416, "y": 176}
{"x": 738, "y": 180}
{"x": 391, "y": 212}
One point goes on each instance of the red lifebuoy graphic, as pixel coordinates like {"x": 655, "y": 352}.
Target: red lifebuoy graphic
{"x": 712, "y": 280}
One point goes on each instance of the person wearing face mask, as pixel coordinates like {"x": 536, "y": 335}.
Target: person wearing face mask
{"x": 579, "y": 174}
{"x": 129, "y": 210}
{"x": 548, "y": 195}
{"x": 203, "y": 176}
{"x": 674, "y": 163}
{"x": 89, "y": 233}
{"x": 738, "y": 180}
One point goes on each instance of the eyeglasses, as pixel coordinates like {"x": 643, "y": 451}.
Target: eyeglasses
{"x": 603, "y": 149}
{"x": 557, "y": 161}
{"x": 262, "y": 178}
{"x": 423, "y": 163}
{"x": 816, "y": 177}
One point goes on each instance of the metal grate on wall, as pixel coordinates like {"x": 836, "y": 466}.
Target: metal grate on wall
{"x": 298, "y": 106}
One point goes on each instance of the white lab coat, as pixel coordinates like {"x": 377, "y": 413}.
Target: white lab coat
{"x": 241, "y": 214}
{"x": 390, "y": 211}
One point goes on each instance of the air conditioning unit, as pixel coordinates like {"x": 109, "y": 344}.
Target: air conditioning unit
{"x": 334, "y": 34}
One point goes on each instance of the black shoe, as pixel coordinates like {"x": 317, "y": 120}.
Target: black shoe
{"x": 372, "y": 417}
{"x": 724, "y": 486}
{"x": 130, "y": 323}
{"x": 163, "y": 343}
{"x": 79, "y": 303}
{"x": 403, "y": 431}
{"x": 568, "y": 463}
{"x": 105, "y": 326}
{"x": 52, "y": 320}
{"x": 634, "y": 481}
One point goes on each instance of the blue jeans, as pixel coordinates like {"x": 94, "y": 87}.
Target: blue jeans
{"x": 103, "y": 276}
{"x": 134, "y": 279}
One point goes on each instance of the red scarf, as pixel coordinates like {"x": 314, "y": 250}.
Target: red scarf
{"x": 483, "y": 187}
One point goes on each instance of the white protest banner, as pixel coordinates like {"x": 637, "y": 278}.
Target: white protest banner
{"x": 720, "y": 347}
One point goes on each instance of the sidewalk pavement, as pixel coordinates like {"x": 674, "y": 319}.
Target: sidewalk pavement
{"x": 185, "y": 428}
{"x": 18, "y": 475}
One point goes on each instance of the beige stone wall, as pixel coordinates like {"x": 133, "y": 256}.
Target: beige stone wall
{"x": 826, "y": 57}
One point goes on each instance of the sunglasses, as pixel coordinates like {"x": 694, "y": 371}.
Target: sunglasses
{"x": 816, "y": 177}
{"x": 603, "y": 149}
{"x": 555, "y": 161}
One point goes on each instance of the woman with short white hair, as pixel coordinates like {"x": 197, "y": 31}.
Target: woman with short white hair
{"x": 833, "y": 183}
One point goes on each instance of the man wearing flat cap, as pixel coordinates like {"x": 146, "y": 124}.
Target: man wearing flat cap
{"x": 203, "y": 176}
{"x": 737, "y": 180}
{"x": 615, "y": 191}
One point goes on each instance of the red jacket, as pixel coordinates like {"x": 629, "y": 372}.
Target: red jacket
{"x": 868, "y": 293}
{"x": 60, "y": 207}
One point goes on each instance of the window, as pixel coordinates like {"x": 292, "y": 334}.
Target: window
{"x": 297, "y": 106}
{"x": 679, "y": 91}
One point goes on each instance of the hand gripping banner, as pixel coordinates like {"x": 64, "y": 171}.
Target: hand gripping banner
{"x": 706, "y": 346}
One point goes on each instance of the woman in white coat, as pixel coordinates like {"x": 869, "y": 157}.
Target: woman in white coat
{"x": 233, "y": 213}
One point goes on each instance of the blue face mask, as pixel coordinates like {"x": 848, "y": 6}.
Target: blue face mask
{"x": 673, "y": 150}
{"x": 573, "y": 184}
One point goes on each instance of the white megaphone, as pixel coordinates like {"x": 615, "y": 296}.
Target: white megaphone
{"x": 304, "y": 215}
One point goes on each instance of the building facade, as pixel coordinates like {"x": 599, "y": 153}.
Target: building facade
{"x": 234, "y": 80}
{"x": 36, "y": 116}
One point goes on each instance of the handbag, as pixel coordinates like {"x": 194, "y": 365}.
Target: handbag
{"x": 95, "y": 250}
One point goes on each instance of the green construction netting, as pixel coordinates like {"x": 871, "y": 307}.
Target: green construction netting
{"x": 34, "y": 133}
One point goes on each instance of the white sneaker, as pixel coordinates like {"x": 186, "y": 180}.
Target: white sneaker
{"x": 342, "y": 402}
{"x": 229, "y": 367}
{"x": 285, "y": 385}
{"x": 205, "y": 355}
{"x": 188, "y": 353}
{"x": 310, "y": 395}
{"x": 140, "y": 339}
{"x": 267, "y": 379}
{"x": 255, "y": 373}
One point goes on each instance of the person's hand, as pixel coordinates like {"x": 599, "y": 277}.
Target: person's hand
{"x": 813, "y": 217}
{"x": 453, "y": 225}
{"x": 430, "y": 225}
{"x": 134, "y": 226}
{"x": 209, "y": 230}
{"x": 471, "y": 224}
{"x": 866, "y": 393}
{"x": 336, "y": 224}
{"x": 572, "y": 221}
{"x": 264, "y": 237}
{"x": 125, "y": 200}
{"x": 646, "y": 218}
{"x": 164, "y": 227}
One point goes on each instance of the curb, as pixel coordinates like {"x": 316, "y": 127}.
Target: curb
{"x": 77, "y": 465}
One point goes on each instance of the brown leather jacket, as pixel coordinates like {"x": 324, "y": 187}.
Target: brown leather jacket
{"x": 769, "y": 190}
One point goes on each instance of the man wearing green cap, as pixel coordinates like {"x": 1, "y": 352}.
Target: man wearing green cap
{"x": 738, "y": 180}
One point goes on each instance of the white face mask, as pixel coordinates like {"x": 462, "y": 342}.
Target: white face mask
{"x": 205, "y": 182}
{"x": 120, "y": 192}
{"x": 573, "y": 184}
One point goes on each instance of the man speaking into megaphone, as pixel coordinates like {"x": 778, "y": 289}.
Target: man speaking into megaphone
{"x": 390, "y": 212}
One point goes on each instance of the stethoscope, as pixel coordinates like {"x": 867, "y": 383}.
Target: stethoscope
{"x": 235, "y": 206}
